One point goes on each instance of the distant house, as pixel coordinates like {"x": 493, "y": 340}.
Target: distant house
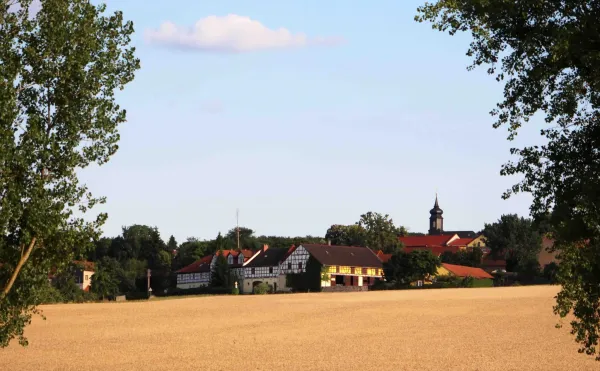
{"x": 84, "y": 270}
{"x": 462, "y": 271}
{"x": 546, "y": 257}
{"x": 345, "y": 266}
{"x": 195, "y": 275}
{"x": 264, "y": 267}
{"x": 199, "y": 273}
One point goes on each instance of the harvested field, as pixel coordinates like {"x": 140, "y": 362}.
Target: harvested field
{"x": 451, "y": 329}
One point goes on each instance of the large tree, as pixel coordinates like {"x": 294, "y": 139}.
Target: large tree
{"x": 381, "y": 233}
{"x": 546, "y": 55}
{"x": 404, "y": 268}
{"x": 59, "y": 70}
{"x": 515, "y": 239}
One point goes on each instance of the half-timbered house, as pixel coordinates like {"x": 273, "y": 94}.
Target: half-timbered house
{"x": 345, "y": 266}
{"x": 264, "y": 267}
{"x": 199, "y": 272}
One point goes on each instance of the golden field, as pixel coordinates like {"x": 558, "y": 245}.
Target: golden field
{"x": 450, "y": 329}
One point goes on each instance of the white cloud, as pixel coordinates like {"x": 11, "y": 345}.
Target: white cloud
{"x": 231, "y": 33}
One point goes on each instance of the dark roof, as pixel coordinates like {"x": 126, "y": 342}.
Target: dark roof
{"x": 462, "y": 234}
{"x": 199, "y": 266}
{"x": 352, "y": 256}
{"x": 268, "y": 258}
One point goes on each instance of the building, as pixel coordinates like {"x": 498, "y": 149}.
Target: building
{"x": 196, "y": 274}
{"x": 436, "y": 223}
{"x": 83, "y": 272}
{"x": 346, "y": 268}
{"x": 199, "y": 273}
{"x": 264, "y": 267}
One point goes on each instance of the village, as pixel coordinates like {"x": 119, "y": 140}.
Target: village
{"x": 338, "y": 268}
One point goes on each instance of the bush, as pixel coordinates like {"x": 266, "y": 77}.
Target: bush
{"x": 206, "y": 290}
{"x": 49, "y": 294}
{"x": 261, "y": 289}
{"x": 235, "y": 291}
{"x": 485, "y": 282}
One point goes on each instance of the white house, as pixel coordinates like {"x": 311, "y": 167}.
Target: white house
{"x": 264, "y": 267}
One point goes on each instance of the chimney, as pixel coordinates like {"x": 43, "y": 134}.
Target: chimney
{"x": 328, "y": 242}
{"x": 265, "y": 247}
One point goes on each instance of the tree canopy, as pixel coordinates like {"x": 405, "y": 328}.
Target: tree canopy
{"x": 546, "y": 55}
{"x": 59, "y": 72}
{"x": 404, "y": 268}
{"x": 374, "y": 230}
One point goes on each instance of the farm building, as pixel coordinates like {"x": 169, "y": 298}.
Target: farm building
{"x": 264, "y": 267}
{"x": 199, "y": 272}
{"x": 84, "y": 270}
{"x": 341, "y": 268}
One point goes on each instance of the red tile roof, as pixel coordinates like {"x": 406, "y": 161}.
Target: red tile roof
{"x": 424, "y": 241}
{"x": 462, "y": 271}
{"x": 198, "y": 266}
{"x": 87, "y": 265}
{"x": 461, "y": 242}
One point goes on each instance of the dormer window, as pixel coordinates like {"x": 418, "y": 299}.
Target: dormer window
{"x": 241, "y": 259}
{"x": 230, "y": 259}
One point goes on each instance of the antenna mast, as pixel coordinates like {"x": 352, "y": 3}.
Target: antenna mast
{"x": 237, "y": 223}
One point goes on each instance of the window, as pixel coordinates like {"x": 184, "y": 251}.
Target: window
{"x": 289, "y": 265}
{"x": 300, "y": 265}
{"x": 230, "y": 259}
{"x": 252, "y": 270}
{"x": 270, "y": 270}
{"x": 241, "y": 259}
{"x": 87, "y": 277}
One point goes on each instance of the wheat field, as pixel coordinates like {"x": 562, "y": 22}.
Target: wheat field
{"x": 451, "y": 329}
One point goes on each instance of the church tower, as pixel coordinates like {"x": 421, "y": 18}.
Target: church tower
{"x": 436, "y": 220}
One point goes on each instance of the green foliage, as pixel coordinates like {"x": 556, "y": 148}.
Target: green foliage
{"x": 551, "y": 272}
{"x": 515, "y": 239}
{"x": 469, "y": 258}
{"x": 404, "y": 268}
{"x": 48, "y": 294}
{"x": 105, "y": 281}
{"x": 235, "y": 291}
{"x": 374, "y": 230}
{"x": 58, "y": 115}
{"x": 545, "y": 53}
{"x": 261, "y": 289}
{"x": 221, "y": 275}
{"x": 172, "y": 244}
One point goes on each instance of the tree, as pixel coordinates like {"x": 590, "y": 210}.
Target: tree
{"x": 515, "y": 239}
{"x": 172, "y": 244}
{"x": 404, "y": 268}
{"x": 381, "y": 233}
{"x": 545, "y": 53}
{"x": 220, "y": 276}
{"x": 346, "y": 235}
{"x": 58, "y": 114}
{"x": 105, "y": 283}
{"x": 469, "y": 258}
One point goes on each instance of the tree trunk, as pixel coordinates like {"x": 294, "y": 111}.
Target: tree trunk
{"x": 20, "y": 264}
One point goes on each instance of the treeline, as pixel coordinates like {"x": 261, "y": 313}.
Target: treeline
{"x": 122, "y": 262}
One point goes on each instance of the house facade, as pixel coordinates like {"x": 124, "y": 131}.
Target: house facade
{"x": 199, "y": 273}
{"x": 343, "y": 266}
{"x": 83, "y": 272}
{"x": 264, "y": 267}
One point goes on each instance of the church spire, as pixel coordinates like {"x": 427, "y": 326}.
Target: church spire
{"x": 436, "y": 220}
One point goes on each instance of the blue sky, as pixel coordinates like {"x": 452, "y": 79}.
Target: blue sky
{"x": 304, "y": 137}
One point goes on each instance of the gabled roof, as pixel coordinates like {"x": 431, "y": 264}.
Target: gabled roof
{"x": 267, "y": 258}
{"x": 463, "y": 271}
{"x": 87, "y": 265}
{"x": 200, "y": 265}
{"x": 462, "y": 234}
{"x": 247, "y": 253}
{"x": 383, "y": 257}
{"x": 353, "y": 256}
{"x": 425, "y": 241}
{"x": 461, "y": 242}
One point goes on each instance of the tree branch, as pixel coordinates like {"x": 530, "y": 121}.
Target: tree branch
{"x": 20, "y": 264}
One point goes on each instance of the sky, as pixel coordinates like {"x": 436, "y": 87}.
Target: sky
{"x": 301, "y": 114}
